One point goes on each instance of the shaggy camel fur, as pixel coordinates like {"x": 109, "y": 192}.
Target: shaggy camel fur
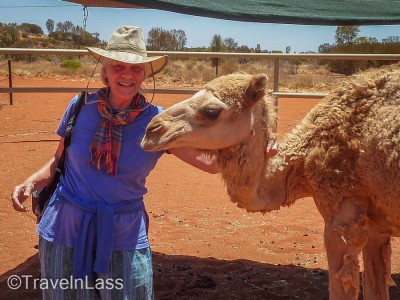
{"x": 345, "y": 154}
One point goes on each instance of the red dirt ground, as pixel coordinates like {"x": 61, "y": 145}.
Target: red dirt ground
{"x": 204, "y": 247}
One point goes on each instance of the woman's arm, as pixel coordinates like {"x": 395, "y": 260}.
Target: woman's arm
{"x": 196, "y": 159}
{"x": 37, "y": 180}
{"x": 209, "y": 164}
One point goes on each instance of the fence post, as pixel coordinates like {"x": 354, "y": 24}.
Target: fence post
{"x": 276, "y": 75}
{"x": 10, "y": 80}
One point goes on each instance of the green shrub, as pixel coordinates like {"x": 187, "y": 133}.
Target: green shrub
{"x": 71, "y": 64}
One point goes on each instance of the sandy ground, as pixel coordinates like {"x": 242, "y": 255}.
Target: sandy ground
{"x": 204, "y": 247}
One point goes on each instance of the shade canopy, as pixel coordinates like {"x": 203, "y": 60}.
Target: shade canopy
{"x": 306, "y": 12}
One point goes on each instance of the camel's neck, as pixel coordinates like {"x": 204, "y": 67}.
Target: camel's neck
{"x": 257, "y": 184}
{"x": 284, "y": 179}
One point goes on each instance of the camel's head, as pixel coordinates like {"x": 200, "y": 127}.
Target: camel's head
{"x": 217, "y": 117}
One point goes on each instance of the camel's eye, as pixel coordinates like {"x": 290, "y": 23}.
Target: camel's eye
{"x": 211, "y": 113}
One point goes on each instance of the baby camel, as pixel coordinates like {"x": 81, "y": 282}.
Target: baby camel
{"x": 345, "y": 154}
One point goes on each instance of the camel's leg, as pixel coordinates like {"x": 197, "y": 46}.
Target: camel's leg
{"x": 346, "y": 233}
{"x": 377, "y": 265}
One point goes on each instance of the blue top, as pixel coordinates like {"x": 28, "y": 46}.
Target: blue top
{"x": 89, "y": 188}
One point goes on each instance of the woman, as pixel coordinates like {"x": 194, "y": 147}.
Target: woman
{"x": 95, "y": 227}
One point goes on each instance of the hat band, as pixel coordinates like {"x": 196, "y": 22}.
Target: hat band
{"x": 126, "y": 48}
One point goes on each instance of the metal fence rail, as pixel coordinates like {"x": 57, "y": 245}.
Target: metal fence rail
{"x": 80, "y": 89}
{"x": 276, "y": 57}
{"x": 183, "y": 54}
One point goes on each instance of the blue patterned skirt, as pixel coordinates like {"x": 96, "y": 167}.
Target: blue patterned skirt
{"x": 130, "y": 275}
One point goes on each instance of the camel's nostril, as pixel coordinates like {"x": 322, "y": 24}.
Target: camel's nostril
{"x": 155, "y": 128}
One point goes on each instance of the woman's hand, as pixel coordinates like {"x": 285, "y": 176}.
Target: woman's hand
{"x": 20, "y": 193}
{"x": 271, "y": 149}
{"x": 36, "y": 181}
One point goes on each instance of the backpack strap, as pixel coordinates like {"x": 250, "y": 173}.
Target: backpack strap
{"x": 70, "y": 125}
{"x": 72, "y": 119}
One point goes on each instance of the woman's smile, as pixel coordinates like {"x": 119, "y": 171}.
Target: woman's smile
{"x": 124, "y": 81}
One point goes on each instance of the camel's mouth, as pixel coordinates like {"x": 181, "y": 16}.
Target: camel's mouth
{"x": 160, "y": 136}
{"x": 158, "y": 143}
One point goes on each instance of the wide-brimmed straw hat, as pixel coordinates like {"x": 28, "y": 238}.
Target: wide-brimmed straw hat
{"x": 127, "y": 45}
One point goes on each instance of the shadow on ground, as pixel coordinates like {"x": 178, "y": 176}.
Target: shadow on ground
{"x": 188, "y": 277}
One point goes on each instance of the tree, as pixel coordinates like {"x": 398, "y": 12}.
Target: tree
{"x": 230, "y": 44}
{"x": 366, "y": 40}
{"x": 325, "y": 48}
{"x": 96, "y": 35}
{"x": 347, "y": 41}
{"x": 84, "y": 38}
{"x": 65, "y": 27}
{"x": 50, "y": 26}
{"x": 346, "y": 35}
{"x": 9, "y": 34}
{"x": 163, "y": 40}
{"x": 30, "y": 28}
{"x": 243, "y": 49}
{"x": 157, "y": 39}
{"x": 216, "y": 45}
{"x": 64, "y": 31}
{"x": 391, "y": 40}
{"x": 180, "y": 37}
{"x": 5, "y": 38}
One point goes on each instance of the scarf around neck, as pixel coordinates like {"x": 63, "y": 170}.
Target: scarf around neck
{"x": 106, "y": 144}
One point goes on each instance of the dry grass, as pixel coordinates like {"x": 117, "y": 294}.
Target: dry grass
{"x": 50, "y": 67}
{"x": 309, "y": 77}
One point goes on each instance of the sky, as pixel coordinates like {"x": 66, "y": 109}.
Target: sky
{"x": 199, "y": 30}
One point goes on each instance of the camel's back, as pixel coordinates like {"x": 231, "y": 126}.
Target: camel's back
{"x": 348, "y": 116}
{"x": 353, "y": 141}
{"x": 361, "y": 110}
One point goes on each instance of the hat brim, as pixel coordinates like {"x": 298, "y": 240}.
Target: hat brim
{"x": 153, "y": 64}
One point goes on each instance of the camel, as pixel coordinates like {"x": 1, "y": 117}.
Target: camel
{"x": 345, "y": 154}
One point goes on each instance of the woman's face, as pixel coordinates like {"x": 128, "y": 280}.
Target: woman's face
{"x": 124, "y": 80}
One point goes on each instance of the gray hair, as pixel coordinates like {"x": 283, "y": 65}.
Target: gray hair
{"x": 104, "y": 64}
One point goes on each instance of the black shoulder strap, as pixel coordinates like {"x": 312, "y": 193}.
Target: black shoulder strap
{"x": 72, "y": 119}
{"x": 70, "y": 125}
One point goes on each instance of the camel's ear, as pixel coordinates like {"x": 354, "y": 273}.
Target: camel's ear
{"x": 255, "y": 90}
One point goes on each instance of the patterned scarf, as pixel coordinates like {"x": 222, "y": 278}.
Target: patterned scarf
{"x": 106, "y": 144}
